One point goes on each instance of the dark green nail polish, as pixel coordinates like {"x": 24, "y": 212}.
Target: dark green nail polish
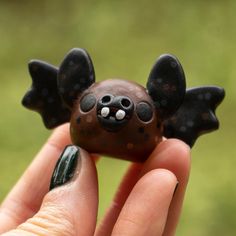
{"x": 65, "y": 167}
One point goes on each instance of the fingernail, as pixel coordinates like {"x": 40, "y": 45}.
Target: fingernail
{"x": 175, "y": 188}
{"x": 65, "y": 167}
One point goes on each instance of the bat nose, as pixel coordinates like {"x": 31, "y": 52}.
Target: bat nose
{"x": 114, "y": 112}
{"x": 118, "y": 102}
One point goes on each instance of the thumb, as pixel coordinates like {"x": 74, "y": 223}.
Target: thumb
{"x": 70, "y": 208}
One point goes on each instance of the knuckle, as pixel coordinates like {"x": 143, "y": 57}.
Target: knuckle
{"x": 51, "y": 220}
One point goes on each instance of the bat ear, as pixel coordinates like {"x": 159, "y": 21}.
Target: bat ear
{"x": 166, "y": 85}
{"x": 76, "y": 74}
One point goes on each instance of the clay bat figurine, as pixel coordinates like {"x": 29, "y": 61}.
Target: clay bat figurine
{"x": 121, "y": 118}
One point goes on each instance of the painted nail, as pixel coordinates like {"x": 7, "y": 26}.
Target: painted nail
{"x": 176, "y": 187}
{"x": 65, "y": 167}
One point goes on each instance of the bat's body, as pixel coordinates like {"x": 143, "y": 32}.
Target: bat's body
{"x": 121, "y": 118}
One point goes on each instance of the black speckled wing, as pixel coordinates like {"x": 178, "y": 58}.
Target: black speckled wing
{"x": 196, "y": 116}
{"x": 43, "y": 95}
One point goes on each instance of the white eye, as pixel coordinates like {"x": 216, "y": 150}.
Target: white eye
{"x": 105, "y": 111}
{"x": 120, "y": 115}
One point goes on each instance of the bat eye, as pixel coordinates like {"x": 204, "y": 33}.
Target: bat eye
{"x": 144, "y": 111}
{"x": 87, "y": 102}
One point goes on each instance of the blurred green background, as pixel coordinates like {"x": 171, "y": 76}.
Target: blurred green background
{"x": 124, "y": 38}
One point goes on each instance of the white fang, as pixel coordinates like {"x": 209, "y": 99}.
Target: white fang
{"x": 120, "y": 115}
{"x": 105, "y": 111}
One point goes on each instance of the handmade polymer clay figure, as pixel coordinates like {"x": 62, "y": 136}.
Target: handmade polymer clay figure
{"x": 121, "y": 118}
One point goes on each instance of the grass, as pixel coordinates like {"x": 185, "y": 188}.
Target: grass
{"x": 124, "y": 38}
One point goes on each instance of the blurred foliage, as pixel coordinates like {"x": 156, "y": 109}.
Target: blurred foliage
{"x": 124, "y": 38}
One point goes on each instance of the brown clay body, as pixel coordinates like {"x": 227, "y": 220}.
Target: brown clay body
{"x": 134, "y": 140}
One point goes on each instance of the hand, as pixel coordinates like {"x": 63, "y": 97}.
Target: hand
{"x": 147, "y": 201}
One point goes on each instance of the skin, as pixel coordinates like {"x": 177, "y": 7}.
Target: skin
{"x": 146, "y": 202}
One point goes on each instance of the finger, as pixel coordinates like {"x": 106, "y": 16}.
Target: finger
{"x": 129, "y": 180}
{"x": 173, "y": 155}
{"x": 70, "y": 208}
{"x": 170, "y": 154}
{"x": 26, "y": 196}
{"x": 145, "y": 211}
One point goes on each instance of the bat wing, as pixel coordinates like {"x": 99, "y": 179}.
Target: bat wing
{"x": 43, "y": 96}
{"x": 196, "y": 116}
